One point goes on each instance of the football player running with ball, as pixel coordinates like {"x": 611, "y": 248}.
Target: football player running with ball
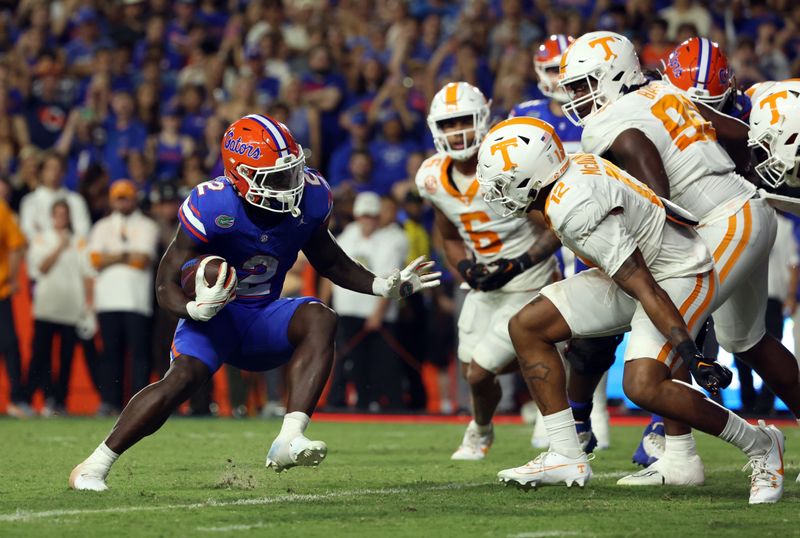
{"x": 653, "y": 274}
{"x": 266, "y": 208}
{"x": 505, "y": 261}
{"x": 677, "y": 147}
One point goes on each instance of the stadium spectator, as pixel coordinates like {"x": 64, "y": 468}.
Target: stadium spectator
{"x": 366, "y": 359}
{"x": 35, "y": 209}
{"x": 782, "y": 301}
{"x": 658, "y": 47}
{"x": 125, "y": 133}
{"x": 168, "y": 149}
{"x": 123, "y": 248}
{"x": 58, "y": 261}
{"x": 390, "y": 153}
{"x": 686, "y": 11}
{"x": 12, "y": 245}
{"x": 357, "y": 126}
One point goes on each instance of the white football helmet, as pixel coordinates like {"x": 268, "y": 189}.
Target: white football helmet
{"x": 519, "y": 157}
{"x": 456, "y": 100}
{"x": 547, "y": 62}
{"x": 775, "y": 128}
{"x": 608, "y": 64}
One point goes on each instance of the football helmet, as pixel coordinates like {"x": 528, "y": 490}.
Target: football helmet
{"x": 699, "y": 69}
{"x": 265, "y": 163}
{"x": 775, "y": 129}
{"x": 519, "y": 157}
{"x": 546, "y": 63}
{"x": 456, "y": 100}
{"x": 607, "y": 63}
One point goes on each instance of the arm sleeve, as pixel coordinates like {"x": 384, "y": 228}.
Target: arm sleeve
{"x": 191, "y": 218}
{"x": 81, "y": 221}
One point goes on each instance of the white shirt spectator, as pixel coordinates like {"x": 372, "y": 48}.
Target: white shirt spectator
{"x": 694, "y": 14}
{"x": 60, "y": 294}
{"x": 382, "y": 252}
{"x": 783, "y": 259}
{"x": 35, "y": 211}
{"x": 122, "y": 287}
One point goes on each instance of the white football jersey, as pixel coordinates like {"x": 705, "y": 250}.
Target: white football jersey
{"x": 603, "y": 215}
{"x": 701, "y": 175}
{"x": 487, "y": 235}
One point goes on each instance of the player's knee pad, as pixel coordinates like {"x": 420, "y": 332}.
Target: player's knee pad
{"x": 592, "y": 356}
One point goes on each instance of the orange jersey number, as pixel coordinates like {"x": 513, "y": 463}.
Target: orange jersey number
{"x": 683, "y": 121}
{"x": 485, "y": 242}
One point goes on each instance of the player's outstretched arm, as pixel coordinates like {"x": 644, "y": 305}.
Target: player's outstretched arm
{"x": 637, "y": 154}
{"x": 333, "y": 263}
{"x": 635, "y": 279}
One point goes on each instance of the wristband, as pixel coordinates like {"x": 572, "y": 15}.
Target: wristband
{"x": 464, "y": 266}
{"x": 525, "y": 261}
{"x": 687, "y": 350}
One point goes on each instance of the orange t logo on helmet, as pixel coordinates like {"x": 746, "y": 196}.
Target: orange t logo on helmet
{"x": 772, "y": 102}
{"x": 604, "y": 41}
{"x": 502, "y": 147}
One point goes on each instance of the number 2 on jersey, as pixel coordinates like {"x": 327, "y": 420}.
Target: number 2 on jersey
{"x": 485, "y": 242}
{"x": 683, "y": 121}
{"x": 260, "y": 271}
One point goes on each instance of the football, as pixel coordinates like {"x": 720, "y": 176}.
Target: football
{"x": 189, "y": 270}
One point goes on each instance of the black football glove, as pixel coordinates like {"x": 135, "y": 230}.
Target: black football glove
{"x": 708, "y": 373}
{"x": 500, "y": 272}
{"x": 471, "y": 272}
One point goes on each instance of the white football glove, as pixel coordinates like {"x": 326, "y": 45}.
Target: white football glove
{"x": 210, "y": 299}
{"x": 413, "y": 278}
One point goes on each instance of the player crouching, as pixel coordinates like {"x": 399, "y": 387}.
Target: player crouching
{"x": 646, "y": 266}
{"x": 258, "y": 216}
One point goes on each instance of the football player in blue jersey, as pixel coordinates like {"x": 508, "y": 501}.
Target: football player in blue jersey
{"x": 545, "y": 64}
{"x": 266, "y": 208}
{"x": 591, "y": 356}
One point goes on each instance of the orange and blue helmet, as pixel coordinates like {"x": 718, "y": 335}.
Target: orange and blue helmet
{"x": 699, "y": 69}
{"x": 265, "y": 163}
{"x": 546, "y": 62}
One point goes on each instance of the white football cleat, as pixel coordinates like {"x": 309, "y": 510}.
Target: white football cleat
{"x": 474, "y": 446}
{"x": 300, "y": 451}
{"x": 668, "y": 472}
{"x": 89, "y": 477}
{"x": 547, "y": 469}
{"x": 766, "y": 480}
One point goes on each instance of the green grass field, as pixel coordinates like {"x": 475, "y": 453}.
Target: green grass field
{"x": 207, "y": 478}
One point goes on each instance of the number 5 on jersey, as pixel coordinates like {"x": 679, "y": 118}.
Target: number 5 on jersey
{"x": 484, "y": 242}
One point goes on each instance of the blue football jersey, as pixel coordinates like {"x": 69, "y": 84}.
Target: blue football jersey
{"x": 569, "y": 134}
{"x": 214, "y": 216}
{"x": 738, "y": 105}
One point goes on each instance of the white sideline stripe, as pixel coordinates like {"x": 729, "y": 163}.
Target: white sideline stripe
{"x": 229, "y": 528}
{"x": 547, "y": 534}
{"x": 22, "y": 515}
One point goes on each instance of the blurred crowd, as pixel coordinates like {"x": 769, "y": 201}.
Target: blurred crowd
{"x": 141, "y": 91}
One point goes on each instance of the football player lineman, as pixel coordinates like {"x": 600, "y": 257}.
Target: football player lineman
{"x": 675, "y": 146}
{"x": 505, "y": 261}
{"x": 592, "y": 355}
{"x": 257, "y": 217}
{"x": 653, "y": 274}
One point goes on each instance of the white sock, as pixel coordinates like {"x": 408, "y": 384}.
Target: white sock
{"x": 742, "y": 435}
{"x": 294, "y": 424}
{"x": 562, "y": 433}
{"x": 483, "y": 430}
{"x": 102, "y": 457}
{"x": 680, "y": 446}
